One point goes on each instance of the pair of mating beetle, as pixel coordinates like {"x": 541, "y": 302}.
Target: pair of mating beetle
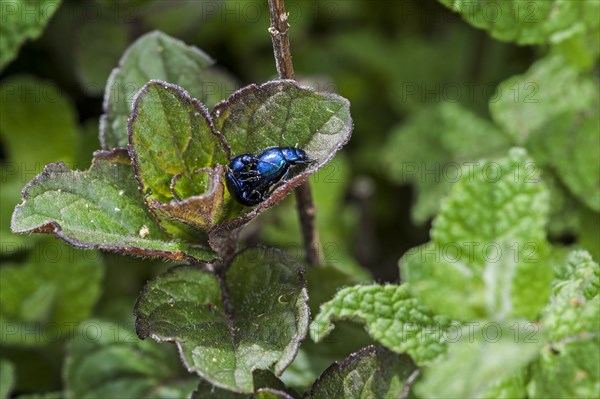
{"x": 250, "y": 177}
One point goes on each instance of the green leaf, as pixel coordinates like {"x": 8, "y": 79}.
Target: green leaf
{"x": 22, "y": 20}
{"x": 487, "y": 254}
{"x": 526, "y": 21}
{"x": 171, "y": 132}
{"x": 323, "y": 282}
{"x": 34, "y": 111}
{"x": 171, "y": 136}
{"x": 580, "y": 45}
{"x": 157, "y": 56}
{"x": 574, "y": 308}
{"x": 107, "y": 360}
{"x": 567, "y": 369}
{"x": 43, "y": 298}
{"x": 569, "y": 365}
{"x": 486, "y": 360}
{"x": 282, "y": 113}
{"x": 100, "y": 208}
{"x": 178, "y": 19}
{"x": 525, "y": 103}
{"x": 391, "y": 315}
{"x": 434, "y": 148}
{"x": 369, "y": 373}
{"x": 10, "y": 195}
{"x": 266, "y": 385}
{"x": 174, "y": 389}
{"x": 313, "y": 358}
{"x": 509, "y": 387}
{"x": 175, "y": 150}
{"x": 98, "y": 36}
{"x": 7, "y": 378}
{"x": 252, "y": 318}
{"x": 567, "y": 143}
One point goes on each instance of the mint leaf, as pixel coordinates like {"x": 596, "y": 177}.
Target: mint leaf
{"x": 313, "y": 358}
{"x": 369, "y": 373}
{"x": 98, "y": 36}
{"x": 512, "y": 386}
{"x": 10, "y": 195}
{"x": 323, "y": 282}
{"x": 487, "y": 254}
{"x": 569, "y": 365}
{"x": 56, "y": 286}
{"x": 55, "y": 124}
{"x": 574, "y": 308}
{"x": 580, "y": 45}
{"x": 266, "y": 385}
{"x": 106, "y": 360}
{"x": 100, "y": 208}
{"x": 567, "y": 143}
{"x": 7, "y": 378}
{"x": 170, "y": 132}
{"x": 525, "y": 103}
{"x": 567, "y": 369}
{"x": 171, "y": 135}
{"x": 157, "y": 56}
{"x": 391, "y": 315}
{"x": 526, "y": 21}
{"x": 252, "y": 318}
{"x": 434, "y": 148}
{"x": 22, "y": 20}
{"x": 175, "y": 389}
{"x": 492, "y": 357}
{"x": 175, "y": 148}
{"x": 282, "y": 113}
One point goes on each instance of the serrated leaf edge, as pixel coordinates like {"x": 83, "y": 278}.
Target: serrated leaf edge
{"x": 113, "y": 74}
{"x": 55, "y": 228}
{"x": 209, "y": 267}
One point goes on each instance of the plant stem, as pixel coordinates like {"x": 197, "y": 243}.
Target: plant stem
{"x": 281, "y": 43}
{"x": 285, "y": 69}
{"x": 307, "y": 212}
{"x": 409, "y": 382}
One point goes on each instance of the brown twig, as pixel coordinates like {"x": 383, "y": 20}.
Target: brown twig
{"x": 283, "y": 61}
{"x": 281, "y": 43}
{"x": 307, "y": 212}
{"x": 409, "y": 382}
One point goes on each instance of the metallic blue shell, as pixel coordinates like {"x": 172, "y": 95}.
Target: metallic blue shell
{"x": 250, "y": 177}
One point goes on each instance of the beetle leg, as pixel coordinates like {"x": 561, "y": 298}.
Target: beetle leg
{"x": 248, "y": 179}
{"x": 248, "y": 173}
{"x": 287, "y": 172}
{"x": 256, "y": 196}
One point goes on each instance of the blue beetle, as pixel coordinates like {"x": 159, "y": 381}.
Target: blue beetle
{"x": 250, "y": 177}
